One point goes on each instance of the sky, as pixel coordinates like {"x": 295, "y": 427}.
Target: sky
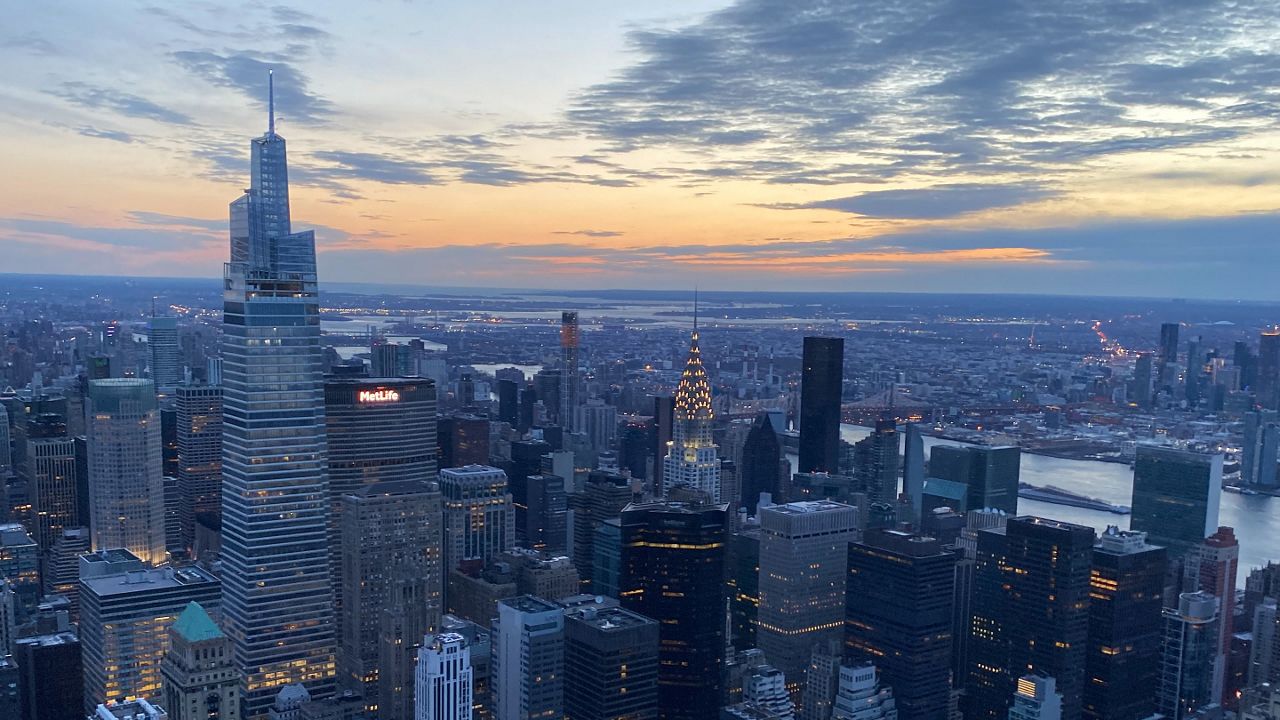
{"x": 1112, "y": 147}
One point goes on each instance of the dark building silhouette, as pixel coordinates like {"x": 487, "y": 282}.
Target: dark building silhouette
{"x": 1030, "y": 613}
{"x": 898, "y": 615}
{"x": 1122, "y": 665}
{"x": 526, "y": 460}
{"x": 664, "y": 414}
{"x": 876, "y": 462}
{"x": 1176, "y": 494}
{"x": 672, "y": 570}
{"x": 545, "y": 515}
{"x": 1267, "y": 386}
{"x": 820, "y": 390}
{"x": 1142, "y": 380}
{"x": 1168, "y": 354}
{"x": 509, "y": 402}
{"x": 528, "y": 399}
{"x": 742, "y": 585}
{"x": 636, "y": 438}
{"x": 761, "y": 453}
{"x": 610, "y": 664}
{"x": 989, "y": 474}
{"x": 603, "y": 497}
{"x": 463, "y": 440}
{"x": 50, "y": 677}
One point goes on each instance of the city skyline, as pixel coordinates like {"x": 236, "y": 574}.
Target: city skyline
{"x": 1100, "y": 151}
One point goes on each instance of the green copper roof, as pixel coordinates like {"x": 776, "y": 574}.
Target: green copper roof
{"x": 195, "y": 625}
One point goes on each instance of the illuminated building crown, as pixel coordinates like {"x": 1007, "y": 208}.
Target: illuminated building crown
{"x": 693, "y": 394}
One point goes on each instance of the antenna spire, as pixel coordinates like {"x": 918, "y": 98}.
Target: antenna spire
{"x": 271, "y": 103}
{"x": 695, "y": 309}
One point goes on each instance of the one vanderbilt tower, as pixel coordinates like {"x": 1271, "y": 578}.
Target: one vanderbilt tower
{"x": 277, "y": 599}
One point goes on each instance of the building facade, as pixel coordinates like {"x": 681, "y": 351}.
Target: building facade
{"x": 125, "y": 476}
{"x": 479, "y": 517}
{"x": 821, "y": 388}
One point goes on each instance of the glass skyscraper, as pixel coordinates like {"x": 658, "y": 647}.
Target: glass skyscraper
{"x": 275, "y": 504}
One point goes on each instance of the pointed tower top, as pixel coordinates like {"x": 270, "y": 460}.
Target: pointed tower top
{"x": 194, "y": 624}
{"x": 271, "y": 103}
{"x": 695, "y": 309}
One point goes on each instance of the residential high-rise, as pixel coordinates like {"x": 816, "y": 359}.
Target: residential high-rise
{"x": 199, "y": 416}
{"x": 693, "y": 460}
{"x": 672, "y": 570}
{"x": 166, "y": 355}
{"x": 1167, "y": 354}
{"x": 527, "y": 672}
{"x": 275, "y": 490}
{"x": 913, "y": 470}
{"x": 877, "y": 461}
{"x": 1126, "y": 595}
{"x": 198, "y": 671}
{"x": 1186, "y": 665}
{"x": 444, "y": 679}
{"x": 569, "y": 381}
{"x": 603, "y": 496}
{"x": 546, "y": 515}
{"x": 761, "y": 453}
{"x": 20, "y": 568}
{"x": 54, "y": 487}
{"x": 1176, "y": 494}
{"x": 804, "y": 551}
{"x": 1268, "y": 370}
{"x": 1030, "y": 613}
{"x": 1211, "y": 567}
{"x": 1036, "y": 698}
{"x": 479, "y": 520}
{"x": 861, "y": 697}
{"x": 597, "y": 420}
{"x": 51, "y": 677}
{"x": 610, "y": 664}
{"x": 898, "y": 615}
{"x": 378, "y": 431}
{"x": 125, "y": 615}
{"x": 391, "y": 574}
{"x": 1142, "y": 380}
{"x": 988, "y": 473}
{"x": 1260, "y": 451}
{"x": 821, "y": 388}
{"x": 125, "y": 481}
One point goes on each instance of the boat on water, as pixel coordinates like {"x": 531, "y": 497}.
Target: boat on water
{"x": 1058, "y": 496}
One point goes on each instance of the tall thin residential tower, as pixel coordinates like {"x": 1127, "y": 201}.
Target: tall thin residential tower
{"x": 275, "y": 504}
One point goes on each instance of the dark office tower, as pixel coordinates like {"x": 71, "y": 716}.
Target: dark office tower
{"x": 53, "y": 480}
{"x": 1030, "y": 613}
{"x": 384, "y": 360}
{"x": 821, "y": 387}
{"x": 526, "y": 461}
{"x": 761, "y": 453}
{"x": 664, "y": 410}
{"x": 1142, "y": 380}
{"x": 1260, "y": 450}
{"x": 275, "y": 490}
{"x": 378, "y": 430}
{"x": 913, "y": 470}
{"x": 528, "y": 399}
{"x": 610, "y": 664}
{"x": 546, "y": 382}
{"x": 635, "y": 441}
{"x": 169, "y": 442}
{"x": 1122, "y": 665}
{"x": 742, "y": 585}
{"x": 1211, "y": 567}
{"x": 672, "y": 570}
{"x": 1168, "y": 345}
{"x": 898, "y": 612}
{"x": 1175, "y": 496}
{"x": 199, "y": 409}
{"x": 166, "y": 355}
{"x": 569, "y": 382}
{"x": 1267, "y": 384}
{"x": 509, "y": 402}
{"x": 463, "y": 440}
{"x": 1186, "y": 665}
{"x": 389, "y": 541}
{"x": 1242, "y": 357}
{"x": 603, "y": 497}
{"x": 50, "y": 676}
{"x": 546, "y": 518}
{"x": 876, "y": 462}
{"x": 990, "y": 474}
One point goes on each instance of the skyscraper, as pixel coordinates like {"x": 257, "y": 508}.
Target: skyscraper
{"x": 509, "y": 402}
{"x": 898, "y": 615}
{"x": 804, "y": 551}
{"x": 913, "y": 469}
{"x": 1126, "y": 594}
{"x": 127, "y": 503}
{"x": 1142, "y": 380}
{"x": 51, "y": 676}
{"x": 603, "y": 497}
{"x": 1168, "y": 354}
{"x": 1260, "y": 451}
{"x": 1186, "y": 665}
{"x": 761, "y": 453}
{"x": 527, "y": 673}
{"x": 692, "y": 460}
{"x": 821, "y": 387}
{"x": 199, "y": 672}
{"x": 479, "y": 520}
{"x": 166, "y": 355}
{"x": 20, "y": 568}
{"x": 1176, "y": 494}
{"x": 610, "y": 664}
{"x": 569, "y": 383}
{"x": 444, "y": 679}
{"x": 1030, "y": 613}
{"x": 1211, "y": 567}
{"x": 392, "y": 572}
{"x": 1268, "y": 379}
{"x": 275, "y": 491}
{"x": 125, "y": 616}
{"x": 876, "y": 462}
{"x": 53, "y": 475}
{"x": 672, "y": 570}
{"x": 988, "y": 473}
{"x": 199, "y": 409}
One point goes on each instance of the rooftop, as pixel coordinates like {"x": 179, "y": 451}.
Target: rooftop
{"x": 195, "y": 625}
{"x": 148, "y": 580}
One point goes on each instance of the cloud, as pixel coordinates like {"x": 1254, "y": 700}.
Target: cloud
{"x": 368, "y": 166}
{"x": 116, "y": 135}
{"x": 590, "y": 233}
{"x": 121, "y": 103}
{"x": 247, "y": 73}
{"x": 937, "y": 202}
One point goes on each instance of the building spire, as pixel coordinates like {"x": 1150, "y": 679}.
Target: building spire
{"x": 695, "y": 309}
{"x": 271, "y": 103}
